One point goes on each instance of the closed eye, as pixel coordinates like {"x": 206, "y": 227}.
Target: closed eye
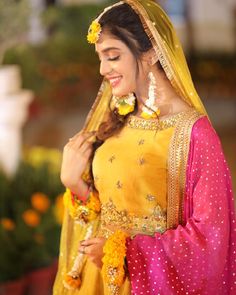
{"x": 114, "y": 58}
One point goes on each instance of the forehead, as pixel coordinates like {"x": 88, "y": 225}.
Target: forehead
{"x": 108, "y": 42}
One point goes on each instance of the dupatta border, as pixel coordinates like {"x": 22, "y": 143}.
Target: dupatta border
{"x": 158, "y": 44}
{"x": 177, "y": 164}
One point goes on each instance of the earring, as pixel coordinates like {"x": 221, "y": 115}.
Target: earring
{"x": 150, "y": 110}
{"x": 125, "y": 104}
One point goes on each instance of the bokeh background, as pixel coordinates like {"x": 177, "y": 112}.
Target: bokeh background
{"x": 49, "y": 77}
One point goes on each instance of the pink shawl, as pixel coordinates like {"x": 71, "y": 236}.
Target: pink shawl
{"x": 198, "y": 257}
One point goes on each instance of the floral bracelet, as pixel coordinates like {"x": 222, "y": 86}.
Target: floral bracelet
{"x": 80, "y": 211}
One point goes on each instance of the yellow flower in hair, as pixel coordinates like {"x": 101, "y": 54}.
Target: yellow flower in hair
{"x": 94, "y": 32}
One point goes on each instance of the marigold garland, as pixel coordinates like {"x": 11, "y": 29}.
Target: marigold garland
{"x": 113, "y": 261}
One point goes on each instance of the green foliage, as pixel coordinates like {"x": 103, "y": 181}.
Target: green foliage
{"x": 27, "y": 244}
{"x": 13, "y": 22}
{"x": 64, "y": 71}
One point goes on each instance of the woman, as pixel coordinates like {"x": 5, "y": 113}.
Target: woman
{"x": 149, "y": 157}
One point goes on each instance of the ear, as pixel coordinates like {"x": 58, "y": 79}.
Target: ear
{"x": 150, "y": 57}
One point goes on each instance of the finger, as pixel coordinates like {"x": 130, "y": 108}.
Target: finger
{"x": 92, "y": 241}
{"x": 81, "y": 140}
{"x": 82, "y": 249}
{"x": 86, "y": 145}
{"x": 76, "y": 135}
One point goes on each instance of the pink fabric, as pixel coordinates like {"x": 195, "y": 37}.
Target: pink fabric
{"x": 198, "y": 257}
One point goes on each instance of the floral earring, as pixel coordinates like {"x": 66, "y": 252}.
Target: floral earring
{"x": 125, "y": 104}
{"x": 150, "y": 110}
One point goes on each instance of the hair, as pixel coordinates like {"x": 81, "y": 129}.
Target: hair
{"x": 123, "y": 23}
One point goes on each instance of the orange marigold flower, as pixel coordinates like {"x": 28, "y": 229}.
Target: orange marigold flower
{"x": 8, "y": 224}
{"x": 72, "y": 282}
{"x": 40, "y": 202}
{"x": 31, "y": 218}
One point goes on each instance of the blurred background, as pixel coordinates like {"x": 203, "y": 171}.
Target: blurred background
{"x": 49, "y": 77}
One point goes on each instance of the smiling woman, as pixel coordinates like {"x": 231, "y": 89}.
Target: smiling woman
{"x": 149, "y": 199}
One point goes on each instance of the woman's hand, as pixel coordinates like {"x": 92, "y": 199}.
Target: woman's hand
{"x": 93, "y": 248}
{"x": 76, "y": 155}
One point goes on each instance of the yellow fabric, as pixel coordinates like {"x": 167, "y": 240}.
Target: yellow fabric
{"x": 130, "y": 166}
{"x": 138, "y": 159}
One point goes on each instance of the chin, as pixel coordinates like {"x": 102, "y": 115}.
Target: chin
{"x": 120, "y": 93}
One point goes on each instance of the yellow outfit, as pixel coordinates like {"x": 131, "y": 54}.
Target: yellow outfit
{"x": 130, "y": 169}
{"x": 130, "y": 172}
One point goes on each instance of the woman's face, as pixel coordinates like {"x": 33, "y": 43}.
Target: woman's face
{"x": 117, "y": 64}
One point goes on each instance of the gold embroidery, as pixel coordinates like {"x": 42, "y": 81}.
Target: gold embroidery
{"x": 141, "y": 142}
{"x": 150, "y": 198}
{"x": 119, "y": 185}
{"x": 112, "y": 218}
{"x": 178, "y": 155}
{"x": 142, "y": 161}
{"x": 147, "y": 124}
{"x": 112, "y": 158}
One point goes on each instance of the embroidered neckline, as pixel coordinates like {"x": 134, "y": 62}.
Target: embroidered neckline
{"x": 149, "y": 124}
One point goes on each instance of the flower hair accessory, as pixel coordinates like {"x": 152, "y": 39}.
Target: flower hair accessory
{"x": 94, "y": 32}
{"x": 95, "y": 28}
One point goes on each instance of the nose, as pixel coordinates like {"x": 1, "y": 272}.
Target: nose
{"x": 105, "y": 68}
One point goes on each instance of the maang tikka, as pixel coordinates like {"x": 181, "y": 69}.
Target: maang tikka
{"x": 150, "y": 110}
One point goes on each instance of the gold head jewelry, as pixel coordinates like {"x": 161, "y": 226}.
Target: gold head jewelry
{"x": 95, "y": 28}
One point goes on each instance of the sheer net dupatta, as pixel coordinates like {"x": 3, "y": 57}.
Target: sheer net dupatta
{"x": 100, "y": 108}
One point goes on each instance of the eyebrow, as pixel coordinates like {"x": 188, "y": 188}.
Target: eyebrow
{"x": 109, "y": 48}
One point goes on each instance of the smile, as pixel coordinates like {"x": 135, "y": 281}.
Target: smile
{"x": 115, "y": 81}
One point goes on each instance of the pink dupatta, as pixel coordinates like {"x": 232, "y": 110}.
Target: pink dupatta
{"x": 198, "y": 257}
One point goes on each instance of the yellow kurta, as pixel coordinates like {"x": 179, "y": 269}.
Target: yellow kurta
{"x": 130, "y": 173}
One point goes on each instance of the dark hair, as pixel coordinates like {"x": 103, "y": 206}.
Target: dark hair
{"x": 123, "y": 23}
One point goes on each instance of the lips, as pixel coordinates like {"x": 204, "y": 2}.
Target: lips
{"x": 114, "y": 81}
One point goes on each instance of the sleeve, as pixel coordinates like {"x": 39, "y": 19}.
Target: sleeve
{"x": 200, "y": 256}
